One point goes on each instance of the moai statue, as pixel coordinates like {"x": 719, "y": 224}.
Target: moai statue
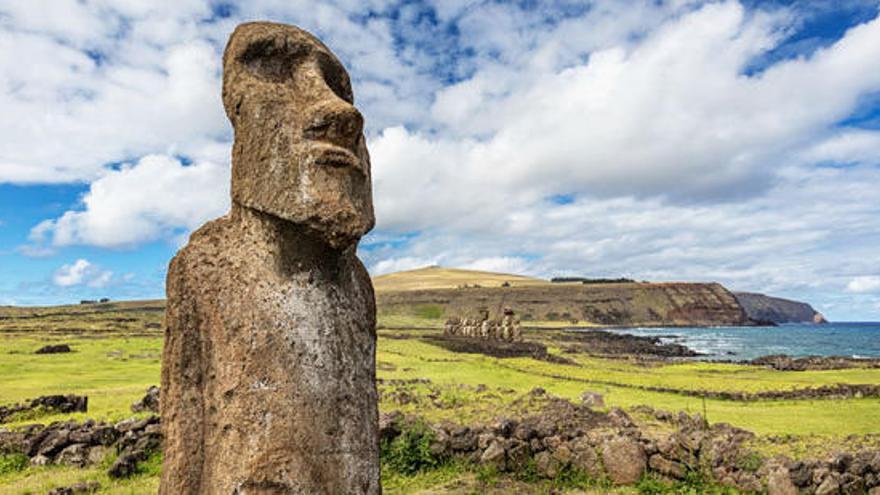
{"x": 506, "y": 321}
{"x": 453, "y": 326}
{"x": 268, "y": 370}
{"x": 485, "y": 329}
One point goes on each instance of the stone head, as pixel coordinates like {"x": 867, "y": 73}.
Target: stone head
{"x": 299, "y": 152}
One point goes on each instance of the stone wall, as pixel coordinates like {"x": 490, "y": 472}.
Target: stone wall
{"x": 611, "y": 446}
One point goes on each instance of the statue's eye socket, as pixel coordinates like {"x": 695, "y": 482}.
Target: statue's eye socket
{"x": 271, "y": 60}
{"x": 336, "y": 77}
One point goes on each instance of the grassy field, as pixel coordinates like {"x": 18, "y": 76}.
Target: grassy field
{"x": 117, "y": 352}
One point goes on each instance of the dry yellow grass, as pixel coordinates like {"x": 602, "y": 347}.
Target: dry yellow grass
{"x": 435, "y": 277}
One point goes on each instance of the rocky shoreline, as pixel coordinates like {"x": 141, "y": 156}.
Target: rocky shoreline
{"x": 782, "y": 362}
{"x": 603, "y": 342}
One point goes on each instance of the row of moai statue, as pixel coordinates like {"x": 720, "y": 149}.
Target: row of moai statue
{"x": 507, "y": 328}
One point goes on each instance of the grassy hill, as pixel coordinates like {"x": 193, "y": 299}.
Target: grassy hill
{"x": 437, "y": 293}
{"x": 435, "y": 277}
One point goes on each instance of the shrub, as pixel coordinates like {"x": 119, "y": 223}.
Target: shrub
{"x": 694, "y": 483}
{"x": 429, "y": 312}
{"x": 751, "y": 462}
{"x": 410, "y": 452}
{"x": 13, "y": 463}
{"x": 651, "y": 485}
{"x": 571, "y": 478}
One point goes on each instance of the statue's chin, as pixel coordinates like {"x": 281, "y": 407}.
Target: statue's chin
{"x": 338, "y": 231}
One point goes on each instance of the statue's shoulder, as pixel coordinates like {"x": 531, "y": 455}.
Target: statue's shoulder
{"x": 206, "y": 245}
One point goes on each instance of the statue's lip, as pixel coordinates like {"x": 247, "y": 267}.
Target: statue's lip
{"x": 335, "y": 156}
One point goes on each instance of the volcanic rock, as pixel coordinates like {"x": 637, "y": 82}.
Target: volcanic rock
{"x": 624, "y": 460}
{"x": 268, "y": 378}
{"x": 53, "y": 349}
{"x": 150, "y": 402}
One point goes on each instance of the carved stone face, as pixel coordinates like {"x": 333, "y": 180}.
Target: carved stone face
{"x": 299, "y": 152}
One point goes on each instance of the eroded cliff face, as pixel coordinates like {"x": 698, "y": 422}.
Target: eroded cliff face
{"x": 624, "y": 304}
{"x": 777, "y": 310}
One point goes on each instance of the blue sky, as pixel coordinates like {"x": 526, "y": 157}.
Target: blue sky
{"x": 683, "y": 140}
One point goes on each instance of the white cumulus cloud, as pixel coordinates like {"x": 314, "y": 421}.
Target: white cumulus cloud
{"x": 81, "y": 272}
{"x": 140, "y": 202}
{"x": 866, "y": 283}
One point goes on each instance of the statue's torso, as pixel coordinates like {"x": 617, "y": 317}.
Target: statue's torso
{"x": 273, "y": 349}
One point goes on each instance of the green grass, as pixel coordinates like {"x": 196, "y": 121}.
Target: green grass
{"x": 115, "y": 362}
{"x": 112, "y": 372}
{"x": 417, "y": 359}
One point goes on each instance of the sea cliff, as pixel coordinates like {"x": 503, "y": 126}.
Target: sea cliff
{"x": 617, "y": 304}
{"x": 760, "y": 307}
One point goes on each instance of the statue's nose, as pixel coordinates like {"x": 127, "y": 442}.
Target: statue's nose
{"x": 336, "y": 121}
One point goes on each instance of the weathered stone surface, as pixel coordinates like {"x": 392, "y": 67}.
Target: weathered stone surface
{"x": 299, "y": 153}
{"x": 547, "y": 465}
{"x": 624, "y": 460}
{"x": 592, "y": 399}
{"x": 779, "y": 483}
{"x": 268, "y": 378}
{"x": 149, "y": 403}
{"x": 74, "y": 455}
{"x": 585, "y": 459}
{"x": 53, "y": 349}
{"x": 518, "y": 455}
{"x": 667, "y": 467}
{"x": 828, "y": 487}
{"x": 493, "y": 456}
{"x": 48, "y": 403}
{"x": 124, "y": 466}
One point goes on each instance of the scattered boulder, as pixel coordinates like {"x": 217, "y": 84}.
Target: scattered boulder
{"x": 53, "y": 349}
{"x": 518, "y": 455}
{"x": 124, "y": 466}
{"x": 47, "y": 404}
{"x": 624, "y": 460}
{"x": 547, "y": 465}
{"x": 592, "y": 399}
{"x": 62, "y": 403}
{"x": 666, "y": 467}
{"x": 389, "y": 425}
{"x": 493, "y": 456}
{"x": 149, "y": 403}
{"x": 585, "y": 459}
{"x": 828, "y": 487}
{"x": 88, "y": 443}
{"x": 74, "y": 455}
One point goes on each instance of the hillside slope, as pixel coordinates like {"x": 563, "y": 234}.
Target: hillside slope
{"x": 761, "y": 307}
{"x": 623, "y": 304}
{"x": 435, "y": 277}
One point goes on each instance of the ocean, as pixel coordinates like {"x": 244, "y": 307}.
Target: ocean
{"x": 851, "y": 339}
